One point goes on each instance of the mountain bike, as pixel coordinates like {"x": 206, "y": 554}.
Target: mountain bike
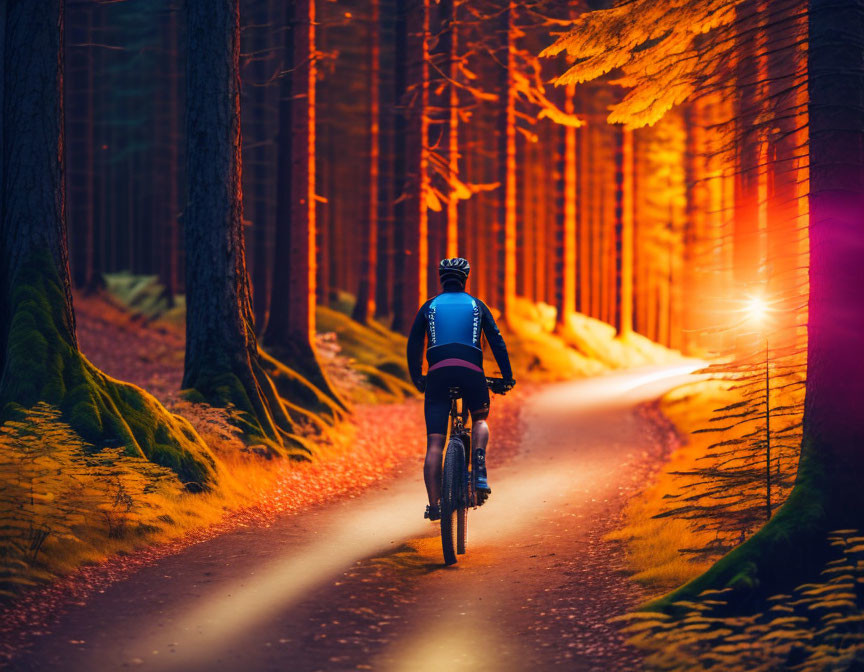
{"x": 458, "y": 486}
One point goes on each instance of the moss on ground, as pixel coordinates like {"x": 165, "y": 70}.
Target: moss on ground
{"x": 374, "y": 351}
{"x": 43, "y": 364}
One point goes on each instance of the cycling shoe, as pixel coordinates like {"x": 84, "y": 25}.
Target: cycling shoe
{"x": 432, "y": 512}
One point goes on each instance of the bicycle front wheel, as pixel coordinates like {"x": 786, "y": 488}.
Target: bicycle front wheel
{"x": 452, "y": 502}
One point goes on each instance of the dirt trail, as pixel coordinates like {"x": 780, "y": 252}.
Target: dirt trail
{"x": 358, "y": 584}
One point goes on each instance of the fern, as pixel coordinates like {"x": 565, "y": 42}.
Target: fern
{"x": 54, "y": 488}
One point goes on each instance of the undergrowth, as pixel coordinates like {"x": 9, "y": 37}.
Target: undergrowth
{"x": 665, "y": 551}
{"x": 64, "y": 503}
{"x": 819, "y": 626}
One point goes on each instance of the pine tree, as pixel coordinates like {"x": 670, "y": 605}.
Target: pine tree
{"x": 827, "y": 493}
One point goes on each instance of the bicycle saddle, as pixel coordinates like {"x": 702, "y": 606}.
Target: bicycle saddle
{"x": 455, "y": 392}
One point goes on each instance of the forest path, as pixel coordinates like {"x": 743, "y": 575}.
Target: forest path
{"x": 359, "y": 584}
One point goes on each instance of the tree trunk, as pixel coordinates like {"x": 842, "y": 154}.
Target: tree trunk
{"x": 695, "y": 263}
{"x": 623, "y": 319}
{"x": 291, "y": 332}
{"x": 565, "y": 235}
{"x": 793, "y": 547}
{"x": 223, "y": 365}
{"x": 450, "y": 45}
{"x": 583, "y": 246}
{"x": 384, "y": 270}
{"x": 79, "y": 60}
{"x": 505, "y": 225}
{"x": 412, "y": 165}
{"x": 364, "y": 308}
{"x": 39, "y": 356}
{"x": 168, "y": 197}
{"x": 258, "y": 154}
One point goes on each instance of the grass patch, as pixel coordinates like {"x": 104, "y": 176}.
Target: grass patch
{"x": 540, "y": 350}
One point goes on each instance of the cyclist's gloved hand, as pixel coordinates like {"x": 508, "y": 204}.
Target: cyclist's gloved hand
{"x": 420, "y": 383}
{"x": 499, "y": 386}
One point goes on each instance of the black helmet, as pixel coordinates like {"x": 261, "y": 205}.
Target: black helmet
{"x": 457, "y": 268}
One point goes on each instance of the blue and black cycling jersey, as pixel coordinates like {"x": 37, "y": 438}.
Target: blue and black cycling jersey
{"x": 453, "y": 323}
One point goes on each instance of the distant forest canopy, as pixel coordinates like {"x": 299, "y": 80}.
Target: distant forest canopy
{"x": 438, "y": 131}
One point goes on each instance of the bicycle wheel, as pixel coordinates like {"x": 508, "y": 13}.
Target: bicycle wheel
{"x": 452, "y": 486}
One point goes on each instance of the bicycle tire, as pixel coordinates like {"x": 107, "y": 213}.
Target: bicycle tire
{"x": 461, "y": 529}
{"x": 452, "y": 485}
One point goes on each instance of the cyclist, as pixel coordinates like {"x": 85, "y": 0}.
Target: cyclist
{"x": 453, "y": 322}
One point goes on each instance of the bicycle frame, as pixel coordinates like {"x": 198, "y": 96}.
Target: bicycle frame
{"x": 458, "y": 427}
{"x": 458, "y": 417}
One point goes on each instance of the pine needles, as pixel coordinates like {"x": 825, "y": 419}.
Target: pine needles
{"x": 745, "y": 475}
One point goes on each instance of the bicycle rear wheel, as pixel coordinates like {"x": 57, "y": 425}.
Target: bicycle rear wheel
{"x": 452, "y": 502}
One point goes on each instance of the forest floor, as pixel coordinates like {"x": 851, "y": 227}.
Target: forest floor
{"x": 327, "y": 575}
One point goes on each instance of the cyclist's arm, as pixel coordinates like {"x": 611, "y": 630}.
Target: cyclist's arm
{"x": 416, "y": 339}
{"x": 496, "y": 342}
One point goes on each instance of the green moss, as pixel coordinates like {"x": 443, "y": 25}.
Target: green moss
{"x": 392, "y": 385}
{"x": 223, "y": 389}
{"x": 374, "y": 349}
{"x": 257, "y": 409}
{"x": 44, "y": 364}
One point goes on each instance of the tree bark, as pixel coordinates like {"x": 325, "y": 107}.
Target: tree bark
{"x": 258, "y": 150}
{"x": 222, "y": 360}
{"x": 505, "y": 225}
{"x": 79, "y": 60}
{"x": 384, "y": 283}
{"x": 565, "y": 235}
{"x": 623, "y": 319}
{"x": 696, "y": 240}
{"x": 833, "y": 423}
{"x": 291, "y": 332}
{"x": 411, "y": 169}
{"x": 450, "y": 44}
{"x": 364, "y": 308}
{"x": 168, "y": 194}
{"x": 747, "y": 249}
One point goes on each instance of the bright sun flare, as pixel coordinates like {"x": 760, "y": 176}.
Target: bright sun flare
{"x": 757, "y": 309}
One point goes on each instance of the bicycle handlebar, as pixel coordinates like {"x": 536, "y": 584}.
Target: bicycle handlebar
{"x": 498, "y": 385}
